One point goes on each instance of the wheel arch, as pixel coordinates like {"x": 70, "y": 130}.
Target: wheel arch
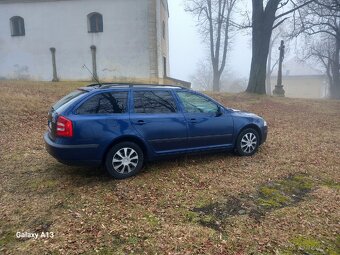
{"x": 133, "y": 139}
{"x": 253, "y": 126}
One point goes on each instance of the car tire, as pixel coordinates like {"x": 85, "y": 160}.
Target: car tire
{"x": 124, "y": 160}
{"x": 247, "y": 142}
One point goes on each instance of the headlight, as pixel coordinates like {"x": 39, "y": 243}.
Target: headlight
{"x": 264, "y": 123}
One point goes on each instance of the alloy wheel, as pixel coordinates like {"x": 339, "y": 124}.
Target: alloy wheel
{"x": 248, "y": 143}
{"x": 125, "y": 160}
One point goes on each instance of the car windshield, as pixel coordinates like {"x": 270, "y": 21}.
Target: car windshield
{"x": 66, "y": 100}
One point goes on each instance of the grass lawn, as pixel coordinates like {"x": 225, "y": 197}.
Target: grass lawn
{"x": 283, "y": 200}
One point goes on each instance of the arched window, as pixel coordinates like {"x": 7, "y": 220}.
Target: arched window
{"x": 95, "y": 22}
{"x": 17, "y": 26}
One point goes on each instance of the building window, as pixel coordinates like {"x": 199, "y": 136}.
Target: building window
{"x": 95, "y": 22}
{"x": 17, "y": 26}
{"x": 164, "y": 30}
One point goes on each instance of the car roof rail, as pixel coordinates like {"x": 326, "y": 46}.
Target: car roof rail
{"x": 117, "y": 84}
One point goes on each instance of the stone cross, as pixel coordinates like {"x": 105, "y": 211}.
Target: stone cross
{"x": 279, "y": 91}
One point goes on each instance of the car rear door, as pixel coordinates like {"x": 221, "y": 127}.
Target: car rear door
{"x": 156, "y": 118}
{"x": 209, "y": 125}
{"x": 102, "y": 118}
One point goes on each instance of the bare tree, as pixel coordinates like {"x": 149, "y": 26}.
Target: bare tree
{"x": 202, "y": 78}
{"x": 320, "y": 21}
{"x": 214, "y": 19}
{"x": 323, "y": 51}
{"x": 264, "y": 20}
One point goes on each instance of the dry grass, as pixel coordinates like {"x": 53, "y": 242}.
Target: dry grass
{"x": 152, "y": 213}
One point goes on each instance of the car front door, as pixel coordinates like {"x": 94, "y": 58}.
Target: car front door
{"x": 209, "y": 125}
{"x": 156, "y": 118}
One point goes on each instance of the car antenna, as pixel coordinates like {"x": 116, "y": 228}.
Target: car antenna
{"x": 94, "y": 77}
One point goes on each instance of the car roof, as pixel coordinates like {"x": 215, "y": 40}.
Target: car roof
{"x": 97, "y": 86}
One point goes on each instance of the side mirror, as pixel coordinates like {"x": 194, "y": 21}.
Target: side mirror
{"x": 219, "y": 111}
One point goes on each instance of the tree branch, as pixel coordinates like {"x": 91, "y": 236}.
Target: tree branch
{"x": 279, "y": 23}
{"x": 293, "y": 10}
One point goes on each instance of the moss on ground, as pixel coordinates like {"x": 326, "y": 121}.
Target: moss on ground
{"x": 7, "y": 239}
{"x": 285, "y": 192}
{"x": 331, "y": 184}
{"x": 152, "y": 220}
{"x": 192, "y": 216}
{"x": 270, "y": 196}
{"x": 42, "y": 184}
{"x": 302, "y": 245}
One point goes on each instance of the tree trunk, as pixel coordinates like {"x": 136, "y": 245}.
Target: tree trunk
{"x": 263, "y": 20}
{"x": 258, "y": 69}
{"x": 216, "y": 82}
{"x": 335, "y": 84}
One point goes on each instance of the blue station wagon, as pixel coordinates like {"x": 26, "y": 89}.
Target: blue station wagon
{"x": 121, "y": 126}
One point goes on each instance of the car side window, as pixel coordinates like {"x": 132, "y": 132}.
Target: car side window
{"x": 154, "y": 102}
{"x": 194, "y": 103}
{"x": 105, "y": 103}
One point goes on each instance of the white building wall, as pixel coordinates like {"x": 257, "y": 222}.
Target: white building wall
{"x": 162, "y": 43}
{"x": 122, "y": 49}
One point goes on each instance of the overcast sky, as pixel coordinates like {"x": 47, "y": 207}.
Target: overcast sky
{"x": 187, "y": 48}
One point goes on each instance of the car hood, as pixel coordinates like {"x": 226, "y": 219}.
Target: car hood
{"x": 239, "y": 113}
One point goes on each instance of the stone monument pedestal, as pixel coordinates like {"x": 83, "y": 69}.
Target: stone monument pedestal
{"x": 279, "y": 91}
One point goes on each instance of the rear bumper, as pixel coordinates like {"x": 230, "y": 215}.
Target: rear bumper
{"x": 83, "y": 154}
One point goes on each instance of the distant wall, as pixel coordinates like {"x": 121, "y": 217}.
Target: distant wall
{"x": 303, "y": 86}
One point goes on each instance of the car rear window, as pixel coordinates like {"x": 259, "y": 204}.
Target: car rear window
{"x": 68, "y": 99}
{"x": 105, "y": 103}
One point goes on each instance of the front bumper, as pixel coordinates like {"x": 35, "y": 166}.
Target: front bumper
{"x": 264, "y": 134}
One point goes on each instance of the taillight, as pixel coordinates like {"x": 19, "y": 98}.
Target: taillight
{"x": 64, "y": 127}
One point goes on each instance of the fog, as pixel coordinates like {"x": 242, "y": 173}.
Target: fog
{"x": 187, "y": 48}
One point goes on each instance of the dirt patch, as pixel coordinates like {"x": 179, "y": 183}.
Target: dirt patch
{"x": 271, "y": 196}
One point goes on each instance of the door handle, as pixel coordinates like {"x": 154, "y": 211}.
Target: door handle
{"x": 193, "y": 120}
{"x": 140, "y": 122}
